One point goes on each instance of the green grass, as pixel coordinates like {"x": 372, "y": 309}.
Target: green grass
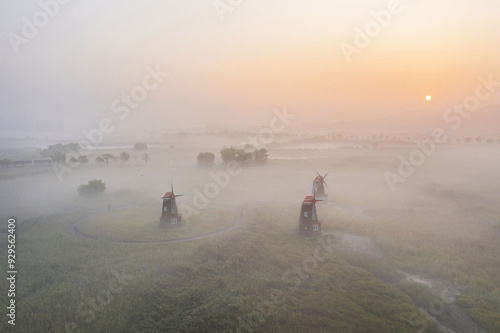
{"x": 215, "y": 284}
{"x": 141, "y": 223}
{"x": 205, "y": 286}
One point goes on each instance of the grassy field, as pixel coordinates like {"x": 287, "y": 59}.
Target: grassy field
{"x": 210, "y": 285}
{"x": 409, "y": 261}
{"x": 140, "y": 223}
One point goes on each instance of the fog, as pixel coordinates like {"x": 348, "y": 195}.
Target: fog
{"x": 146, "y": 97}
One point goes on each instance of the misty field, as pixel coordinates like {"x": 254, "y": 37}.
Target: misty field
{"x": 420, "y": 259}
{"x": 140, "y": 224}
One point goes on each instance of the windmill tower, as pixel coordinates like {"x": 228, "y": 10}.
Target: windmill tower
{"x": 319, "y": 186}
{"x": 309, "y": 225}
{"x": 170, "y": 218}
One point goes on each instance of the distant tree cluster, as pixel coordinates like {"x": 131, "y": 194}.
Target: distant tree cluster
{"x": 478, "y": 139}
{"x": 206, "y": 159}
{"x": 92, "y": 188}
{"x": 57, "y": 153}
{"x": 140, "y": 146}
{"x": 242, "y": 156}
{"x": 6, "y": 162}
{"x": 61, "y": 148}
{"x": 82, "y": 159}
{"x": 105, "y": 158}
{"x": 124, "y": 157}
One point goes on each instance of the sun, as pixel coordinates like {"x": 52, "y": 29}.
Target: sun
{"x": 429, "y": 97}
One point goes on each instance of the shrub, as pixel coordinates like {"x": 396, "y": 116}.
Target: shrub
{"x": 92, "y": 188}
{"x": 260, "y": 155}
{"x": 140, "y": 146}
{"x": 206, "y": 159}
{"x": 124, "y": 156}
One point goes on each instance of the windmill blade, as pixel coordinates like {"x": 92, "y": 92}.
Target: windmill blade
{"x": 326, "y": 174}
{"x": 325, "y": 183}
{"x": 318, "y": 173}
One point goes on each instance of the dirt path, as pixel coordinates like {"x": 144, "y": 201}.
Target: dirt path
{"x": 73, "y": 228}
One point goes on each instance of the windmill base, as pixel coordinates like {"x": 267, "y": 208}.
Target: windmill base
{"x": 174, "y": 222}
{"x": 309, "y": 230}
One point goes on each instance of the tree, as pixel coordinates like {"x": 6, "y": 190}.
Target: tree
{"x": 140, "y": 146}
{"x": 260, "y": 155}
{"x": 107, "y": 157}
{"x": 92, "y": 188}
{"x": 58, "y": 157}
{"x": 99, "y": 159}
{"x": 468, "y": 139}
{"x": 206, "y": 159}
{"x": 83, "y": 159}
{"x": 6, "y": 162}
{"x": 59, "y": 147}
{"x": 232, "y": 154}
{"x": 243, "y": 156}
{"x": 479, "y": 139}
{"x": 228, "y": 154}
{"x": 124, "y": 156}
{"x": 146, "y": 158}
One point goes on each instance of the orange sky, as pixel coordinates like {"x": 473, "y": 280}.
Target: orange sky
{"x": 264, "y": 55}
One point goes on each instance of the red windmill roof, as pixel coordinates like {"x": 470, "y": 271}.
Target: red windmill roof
{"x": 310, "y": 199}
{"x": 167, "y": 195}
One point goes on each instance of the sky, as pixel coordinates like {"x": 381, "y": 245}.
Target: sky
{"x": 235, "y": 66}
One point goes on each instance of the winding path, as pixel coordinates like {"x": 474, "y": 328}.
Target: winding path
{"x": 73, "y": 229}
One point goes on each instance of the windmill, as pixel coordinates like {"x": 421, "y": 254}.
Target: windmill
{"x": 309, "y": 225}
{"x": 170, "y": 218}
{"x": 319, "y": 185}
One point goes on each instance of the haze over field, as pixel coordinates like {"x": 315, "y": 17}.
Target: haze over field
{"x": 110, "y": 109}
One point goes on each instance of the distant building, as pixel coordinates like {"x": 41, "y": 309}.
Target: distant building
{"x": 170, "y": 218}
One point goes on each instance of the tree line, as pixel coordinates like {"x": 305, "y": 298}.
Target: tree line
{"x": 247, "y": 154}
